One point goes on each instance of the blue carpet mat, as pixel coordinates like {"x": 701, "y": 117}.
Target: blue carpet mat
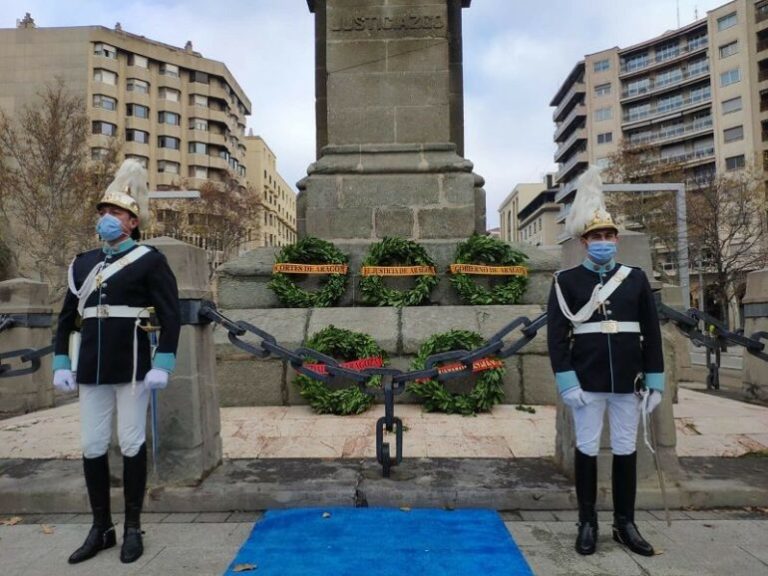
{"x": 379, "y": 541}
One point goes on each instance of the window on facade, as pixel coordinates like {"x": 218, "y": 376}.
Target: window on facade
{"x": 168, "y": 142}
{"x": 601, "y": 65}
{"x": 668, "y": 77}
{"x": 99, "y": 153}
{"x": 167, "y": 167}
{"x": 700, "y": 93}
{"x": 605, "y": 138}
{"x": 105, "y": 76}
{"x": 104, "y": 128}
{"x": 729, "y": 77}
{"x": 667, "y": 51}
{"x": 733, "y": 134}
{"x": 636, "y": 61}
{"x": 200, "y": 77}
{"x": 603, "y": 89}
{"x": 105, "y": 50}
{"x": 140, "y": 136}
{"x": 697, "y": 67}
{"x": 198, "y": 172}
{"x": 198, "y": 124}
{"x": 603, "y": 113}
{"x": 104, "y": 102}
{"x": 727, "y": 21}
{"x": 732, "y": 105}
{"x": 143, "y": 160}
{"x": 669, "y": 103}
{"x": 169, "y": 94}
{"x": 635, "y": 87}
{"x": 696, "y": 42}
{"x": 169, "y": 70}
{"x": 198, "y": 100}
{"x": 138, "y": 61}
{"x": 729, "y": 49}
{"x": 171, "y": 118}
{"x": 198, "y": 148}
{"x": 735, "y": 162}
{"x": 639, "y": 111}
{"x": 138, "y": 86}
{"x": 136, "y": 110}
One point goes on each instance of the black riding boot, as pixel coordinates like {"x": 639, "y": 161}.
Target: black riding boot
{"x": 586, "y": 494}
{"x": 102, "y": 533}
{"x": 624, "y": 480}
{"x": 134, "y": 486}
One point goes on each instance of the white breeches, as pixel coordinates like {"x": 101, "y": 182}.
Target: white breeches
{"x": 97, "y": 406}
{"x": 623, "y": 417}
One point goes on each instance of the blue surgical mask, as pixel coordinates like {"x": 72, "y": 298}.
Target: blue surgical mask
{"x": 601, "y": 251}
{"x": 109, "y": 228}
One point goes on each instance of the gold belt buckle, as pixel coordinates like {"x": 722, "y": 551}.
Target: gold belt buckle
{"x": 609, "y": 327}
{"x": 102, "y": 311}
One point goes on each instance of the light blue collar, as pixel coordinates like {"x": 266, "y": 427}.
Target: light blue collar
{"x": 122, "y": 247}
{"x": 599, "y": 268}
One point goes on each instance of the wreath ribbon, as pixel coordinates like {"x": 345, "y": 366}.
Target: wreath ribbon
{"x": 293, "y": 268}
{"x": 398, "y": 271}
{"x": 489, "y": 270}
{"x": 361, "y": 364}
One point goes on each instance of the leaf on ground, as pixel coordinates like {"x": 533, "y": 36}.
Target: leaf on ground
{"x": 405, "y": 508}
{"x": 46, "y": 529}
{"x": 326, "y": 514}
{"x": 244, "y": 568}
{"x": 11, "y": 521}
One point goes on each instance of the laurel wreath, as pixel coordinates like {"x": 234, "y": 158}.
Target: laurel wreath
{"x": 309, "y": 250}
{"x": 393, "y": 251}
{"x": 488, "y": 251}
{"x": 486, "y": 393}
{"x": 342, "y": 345}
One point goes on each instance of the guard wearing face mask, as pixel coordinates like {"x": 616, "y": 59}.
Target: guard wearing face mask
{"x": 605, "y": 345}
{"x": 111, "y": 291}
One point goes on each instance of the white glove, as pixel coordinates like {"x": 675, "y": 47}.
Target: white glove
{"x": 654, "y": 399}
{"x": 64, "y": 380}
{"x": 156, "y": 379}
{"x": 574, "y": 397}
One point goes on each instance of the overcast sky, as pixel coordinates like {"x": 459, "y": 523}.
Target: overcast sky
{"x": 516, "y": 55}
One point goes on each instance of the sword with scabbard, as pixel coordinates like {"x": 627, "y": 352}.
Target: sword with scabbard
{"x": 642, "y": 391}
{"x": 152, "y": 328}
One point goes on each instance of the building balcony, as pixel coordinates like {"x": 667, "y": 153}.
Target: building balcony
{"x": 660, "y": 112}
{"x": 653, "y": 63}
{"x": 657, "y": 88}
{"x": 690, "y": 157}
{"x": 167, "y": 179}
{"x": 569, "y": 168}
{"x": 671, "y": 134}
{"x": 579, "y": 111}
{"x": 579, "y": 135}
{"x": 761, "y": 12}
{"x": 565, "y": 192}
{"x": 578, "y": 89}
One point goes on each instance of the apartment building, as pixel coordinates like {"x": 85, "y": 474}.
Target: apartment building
{"x": 538, "y": 220}
{"x": 179, "y": 114}
{"x": 520, "y": 196}
{"x": 278, "y": 214}
{"x": 698, "y": 95}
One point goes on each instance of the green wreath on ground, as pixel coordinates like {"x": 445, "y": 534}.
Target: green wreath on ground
{"x": 343, "y": 345}
{"x": 486, "y": 393}
{"x": 393, "y": 251}
{"x": 489, "y": 251}
{"x": 309, "y": 250}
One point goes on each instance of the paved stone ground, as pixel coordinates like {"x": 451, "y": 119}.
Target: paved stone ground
{"x": 707, "y": 425}
{"x": 699, "y": 543}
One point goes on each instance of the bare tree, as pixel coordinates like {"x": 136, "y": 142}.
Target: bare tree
{"x": 728, "y": 231}
{"x": 49, "y": 185}
{"x": 221, "y": 220}
{"x": 653, "y": 213}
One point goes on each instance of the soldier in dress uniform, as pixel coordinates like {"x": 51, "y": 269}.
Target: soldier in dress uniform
{"x": 605, "y": 347}
{"x": 111, "y": 290}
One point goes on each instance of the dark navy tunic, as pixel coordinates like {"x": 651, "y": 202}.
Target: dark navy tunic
{"x": 605, "y": 362}
{"x": 106, "y": 350}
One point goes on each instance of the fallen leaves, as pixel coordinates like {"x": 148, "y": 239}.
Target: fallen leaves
{"x": 46, "y": 529}
{"x": 244, "y": 568}
{"x": 11, "y": 521}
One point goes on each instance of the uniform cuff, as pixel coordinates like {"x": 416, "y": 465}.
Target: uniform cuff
{"x": 164, "y": 361}
{"x": 655, "y": 381}
{"x": 566, "y": 380}
{"x": 61, "y": 362}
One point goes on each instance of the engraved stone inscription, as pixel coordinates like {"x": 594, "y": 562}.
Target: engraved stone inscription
{"x": 387, "y": 23}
